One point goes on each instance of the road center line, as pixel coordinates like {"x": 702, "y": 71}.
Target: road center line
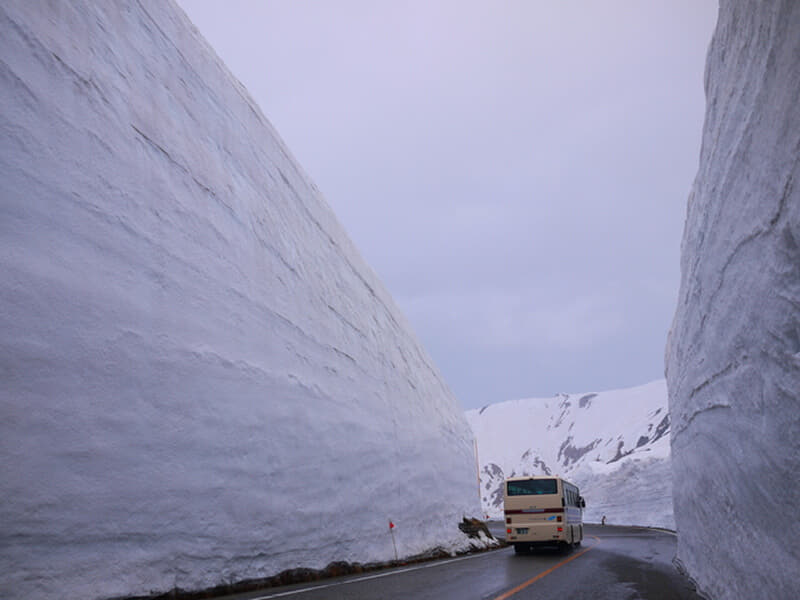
{"x": 367, "y": 577}
{"x": 522, "y": 586}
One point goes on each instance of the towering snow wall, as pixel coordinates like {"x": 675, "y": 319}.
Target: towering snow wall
{"x": 733, "y": 360}
{"x": 604, "y": 443}
{"x": 200, "y": 378}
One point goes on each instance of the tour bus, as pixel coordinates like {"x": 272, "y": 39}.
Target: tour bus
{"x": 542, "y": 511}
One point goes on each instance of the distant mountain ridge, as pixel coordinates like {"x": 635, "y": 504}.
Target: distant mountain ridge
{"x": 614, "y": 445}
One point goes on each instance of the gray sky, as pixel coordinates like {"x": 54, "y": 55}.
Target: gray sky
{"x": 516, "y": 173}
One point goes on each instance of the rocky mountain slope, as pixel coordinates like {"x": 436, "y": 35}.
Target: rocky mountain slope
{"x": 614, "y": 445}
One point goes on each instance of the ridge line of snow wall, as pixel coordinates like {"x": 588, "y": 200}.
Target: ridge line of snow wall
{"x": 202, "y": 380}
{"x": 733, "y": 356}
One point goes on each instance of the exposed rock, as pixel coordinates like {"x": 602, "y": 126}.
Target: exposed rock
{"x": 474, "y": 527}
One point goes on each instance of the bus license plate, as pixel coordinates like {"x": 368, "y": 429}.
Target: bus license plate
{"x": 522, "y": 530}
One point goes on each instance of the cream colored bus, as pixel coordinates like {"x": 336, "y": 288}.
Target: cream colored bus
{"x": 542, "y": 511}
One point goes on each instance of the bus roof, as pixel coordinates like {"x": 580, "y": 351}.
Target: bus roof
{"x": 527, "y": 477}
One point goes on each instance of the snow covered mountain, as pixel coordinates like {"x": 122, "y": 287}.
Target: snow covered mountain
{"x": 202, "y": 381}
{"x": 733, "y": 358}
{"x": 614, "y": 445}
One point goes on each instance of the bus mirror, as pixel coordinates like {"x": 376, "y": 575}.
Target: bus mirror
{"x": 583, "y": 502}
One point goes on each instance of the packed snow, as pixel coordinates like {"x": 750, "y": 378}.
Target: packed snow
{"x": 202, "y": 381}
{"x": 733, "y": 359}
{"x": 614, "y": 445}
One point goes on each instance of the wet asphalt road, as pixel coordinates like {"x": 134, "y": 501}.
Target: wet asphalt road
{"x": 614, "y": 563}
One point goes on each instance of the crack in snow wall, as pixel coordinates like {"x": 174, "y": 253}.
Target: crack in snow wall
{"x": 733, "y": 359}
{"x": 202, "y": 381}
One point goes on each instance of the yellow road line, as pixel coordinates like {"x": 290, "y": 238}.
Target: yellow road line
{"x": 522, "y": 586}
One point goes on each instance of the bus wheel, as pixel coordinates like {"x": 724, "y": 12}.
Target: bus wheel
{"x": 520, "y": 548}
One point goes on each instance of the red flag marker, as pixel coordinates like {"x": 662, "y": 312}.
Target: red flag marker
{"x": 394, "y": 544}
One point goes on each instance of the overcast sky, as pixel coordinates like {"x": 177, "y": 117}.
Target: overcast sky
{"x": 516, "y": 173}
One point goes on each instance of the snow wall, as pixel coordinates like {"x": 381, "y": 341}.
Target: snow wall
{"x": 603, "y": 442}
{"x": 733, "y": 359}
{"x": 201, "y": 379}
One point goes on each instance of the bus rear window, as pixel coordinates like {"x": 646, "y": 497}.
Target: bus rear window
{"x": 532, "y": 487}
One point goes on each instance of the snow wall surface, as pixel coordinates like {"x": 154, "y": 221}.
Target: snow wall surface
{"x": 201, "y": 379}
{"x": 733, "y": 360}
{"x": 613, "y": 445}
